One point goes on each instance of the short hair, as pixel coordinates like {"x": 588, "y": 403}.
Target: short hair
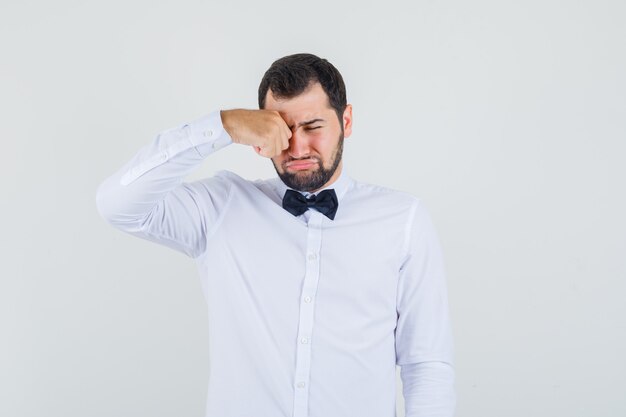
{"x": 291, "y": 75}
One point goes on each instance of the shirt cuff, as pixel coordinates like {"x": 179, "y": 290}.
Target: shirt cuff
{"x": 207, "y": 133}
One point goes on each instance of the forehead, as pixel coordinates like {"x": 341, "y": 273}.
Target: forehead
{"x": 313, "y": 102}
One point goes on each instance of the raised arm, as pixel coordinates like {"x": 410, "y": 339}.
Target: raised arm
{"x": 147, "y": 196}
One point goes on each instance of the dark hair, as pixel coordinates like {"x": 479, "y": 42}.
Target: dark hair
{"x": 291, "y": 75}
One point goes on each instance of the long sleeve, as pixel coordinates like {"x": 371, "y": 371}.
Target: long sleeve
{"x": 428, "y": 389}
{"x": 424, "y": 343}
{"x": 147, "y": 197}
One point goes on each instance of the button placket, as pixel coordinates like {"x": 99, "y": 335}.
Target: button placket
{"x": 307, "y": 306}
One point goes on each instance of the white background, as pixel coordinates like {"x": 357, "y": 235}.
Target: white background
{"x": 507, "y": 118}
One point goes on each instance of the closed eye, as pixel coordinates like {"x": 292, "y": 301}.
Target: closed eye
{"x": 312, "y": 128}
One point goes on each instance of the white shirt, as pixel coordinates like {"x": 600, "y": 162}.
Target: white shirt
{"x": 308, "y": 316}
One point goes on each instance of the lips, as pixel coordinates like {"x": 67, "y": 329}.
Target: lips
{"x": 301, "y": 164}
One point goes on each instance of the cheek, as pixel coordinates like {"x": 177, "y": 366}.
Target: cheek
{"x": 323, "y": 144}
{"x": 278, "y": 160}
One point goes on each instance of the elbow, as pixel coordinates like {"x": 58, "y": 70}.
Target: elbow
{"x": 103, "y": 201}
{"x": 116, "y": 210}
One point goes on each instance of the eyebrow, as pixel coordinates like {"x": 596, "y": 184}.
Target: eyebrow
{"x": 307, "y": 122}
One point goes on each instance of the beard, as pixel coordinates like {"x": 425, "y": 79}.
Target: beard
{"x": 313, "y": 180}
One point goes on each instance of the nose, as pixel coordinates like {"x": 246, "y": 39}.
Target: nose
{"x": 298, "y": 146}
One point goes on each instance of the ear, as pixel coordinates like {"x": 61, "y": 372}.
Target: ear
{"x": 347, "y": 121}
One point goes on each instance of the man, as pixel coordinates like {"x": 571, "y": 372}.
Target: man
{"x": 317, "y": 285}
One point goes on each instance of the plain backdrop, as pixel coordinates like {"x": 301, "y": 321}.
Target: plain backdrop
{"x": 508, "y": 118}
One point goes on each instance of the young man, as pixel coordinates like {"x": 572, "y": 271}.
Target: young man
{"x": 317, "y": 284}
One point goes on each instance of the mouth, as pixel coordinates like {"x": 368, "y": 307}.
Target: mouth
{"x": 299, "y": 165}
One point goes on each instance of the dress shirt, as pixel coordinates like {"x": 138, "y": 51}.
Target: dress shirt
{"x": 308, "y": 316}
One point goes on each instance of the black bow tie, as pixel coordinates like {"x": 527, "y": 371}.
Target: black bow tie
{"x": 325, "y": 202}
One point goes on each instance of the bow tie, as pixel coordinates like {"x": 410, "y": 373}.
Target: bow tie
{"x": 325, "y": 202}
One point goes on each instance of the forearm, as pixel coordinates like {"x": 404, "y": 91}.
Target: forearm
{"x": 428, "y": 389}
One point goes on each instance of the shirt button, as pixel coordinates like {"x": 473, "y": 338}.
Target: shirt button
{"x": 301, "y": 384}
{"x": 304, "y": 340}
{"x": 312, "y": 256}
{"x": 307, "y": 299}
{"x": 208, "y": 133}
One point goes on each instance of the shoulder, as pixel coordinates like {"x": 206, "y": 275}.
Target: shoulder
{"x": 241, "y": 182}
{"x": 244, "y": 187}
{"x": 223, "y": 181}
{"x": 376, "y": 193}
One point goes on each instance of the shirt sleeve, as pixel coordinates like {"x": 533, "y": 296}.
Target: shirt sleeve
{"x": 423, "y": 335}
{"x": 147, "y": 197}
{"x": 428, "y": 389}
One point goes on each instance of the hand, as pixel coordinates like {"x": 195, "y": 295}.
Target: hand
{"x": 264, "y": 130}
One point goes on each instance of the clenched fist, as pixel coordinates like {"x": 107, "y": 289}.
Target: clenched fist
{"x": 264, "y": 130}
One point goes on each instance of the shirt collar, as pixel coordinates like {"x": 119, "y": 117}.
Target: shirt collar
{"x": 340, "y": 185}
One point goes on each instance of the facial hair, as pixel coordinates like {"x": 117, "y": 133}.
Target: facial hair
{"x": 316, "y": 179}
